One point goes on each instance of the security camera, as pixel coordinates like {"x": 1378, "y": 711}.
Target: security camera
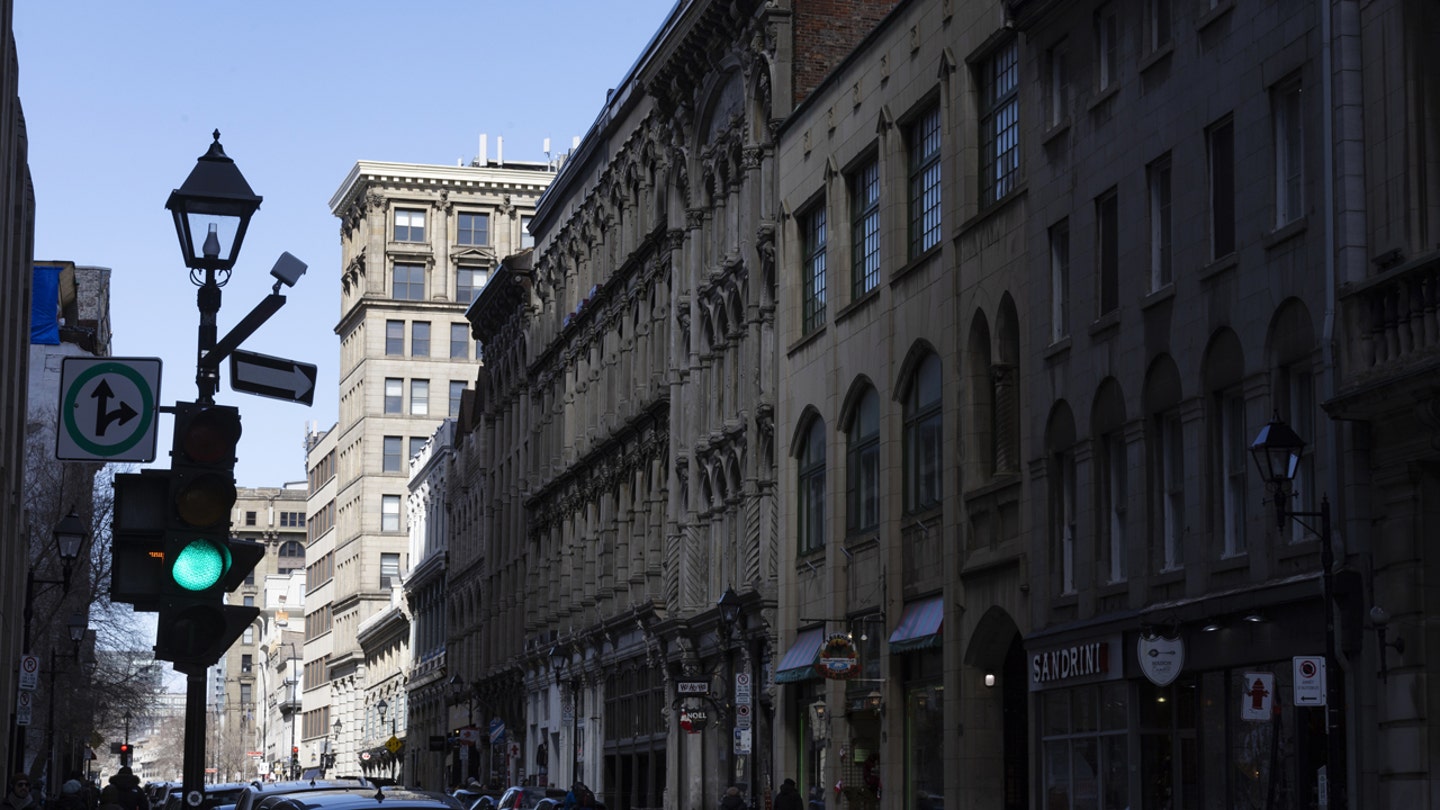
{"x": 288, "y": 270}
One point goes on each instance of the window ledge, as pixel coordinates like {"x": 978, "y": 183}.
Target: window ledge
{"x": 808, "y": 338}
{"x": 1231, "y": 563}
{"x": 916, "y": 263}
{"x": 1104, "y": 96}
{"x": 1285, "y": 232}
{"x": 1159, "y": 296}
{"x": 1168, "y": 577}
{"x": 1214, "y": 14}
{"x": 1105, "y": 323}
{"x": 1059, "y": 347}
{"x": 857, "y": 304}
{"x": 1112, "y": 589}
{"x": 1220, "y": 265}
{"x": 993, "y": 208}
{"x": 1054, "y": 132}
{"x": 1156, "y": 56}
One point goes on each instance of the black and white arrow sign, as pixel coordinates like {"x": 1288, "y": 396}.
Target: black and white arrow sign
{"x": 272, "y": 377}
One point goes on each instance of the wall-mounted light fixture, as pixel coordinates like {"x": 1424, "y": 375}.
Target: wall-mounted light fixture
{"x": 1381, "y": 620}
{"x": 1210, "y": 627}
{"x": 990, "y": 679}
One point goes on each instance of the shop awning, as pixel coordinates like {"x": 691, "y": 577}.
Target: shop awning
{"x": 798, "y": 664}
{"x": 919, "y": 627}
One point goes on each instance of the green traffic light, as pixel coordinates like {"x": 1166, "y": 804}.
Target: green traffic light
{"x": 200, "y": 565}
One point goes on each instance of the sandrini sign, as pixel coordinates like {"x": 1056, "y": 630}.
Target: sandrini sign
{"x": 1161, "y": 658}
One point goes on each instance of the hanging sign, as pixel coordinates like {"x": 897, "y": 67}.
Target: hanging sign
{"x": 837, "y": 659}
{"x": 1257, "y": 699}
{"x": 1161, "y": 659}
{"x": 693, "y": 721}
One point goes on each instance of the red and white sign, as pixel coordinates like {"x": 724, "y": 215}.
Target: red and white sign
{"x": 29, "y": 672}
{"x": 1309, "y": 680}
{"x": 1257, "y": 699}
{"x": 469, "y": 736}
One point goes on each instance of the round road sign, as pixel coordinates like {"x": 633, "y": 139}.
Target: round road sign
{"x": 194, "y": 798}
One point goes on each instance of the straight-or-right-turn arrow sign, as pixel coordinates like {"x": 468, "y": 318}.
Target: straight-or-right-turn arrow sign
{"x": 274, "y": 377}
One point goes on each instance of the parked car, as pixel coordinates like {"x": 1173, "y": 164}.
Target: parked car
{"x": 215, "y": 795}
{"x": 394, "y": 798}
{"x": 256, "y": 792}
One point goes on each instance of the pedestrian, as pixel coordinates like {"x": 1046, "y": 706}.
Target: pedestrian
{"x": 789, "y": 797}
{"x": 733, "y": 800}
{"x": 72, "y": 796}
{"x": 128, "y": 795}
{"x": 18, "y": 797}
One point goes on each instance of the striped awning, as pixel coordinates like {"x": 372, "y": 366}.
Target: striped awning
{"x": 919, "y": 626}
{"x": 798, "y": 664}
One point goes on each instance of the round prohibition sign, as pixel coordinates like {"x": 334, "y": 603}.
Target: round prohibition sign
{"x": 1308, "y": 669}
{"x": 30, "y": 663}
{"x": 71, "y": 406}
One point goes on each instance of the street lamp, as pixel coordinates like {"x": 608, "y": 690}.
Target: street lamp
{"x": 559, "y": 660}
{"x": 1277, "y": 450}
{"x": 217, "y": 201}
{"x": 330, "y": 758}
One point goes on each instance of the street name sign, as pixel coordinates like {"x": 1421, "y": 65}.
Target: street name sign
{"x": 273, "y": 377}
{"x": 108, "y": 408}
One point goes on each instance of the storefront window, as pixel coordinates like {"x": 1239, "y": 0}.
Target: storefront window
{"x": 1169, "y": 773}
{"x": 924, "y": 747}
{"x": 812, "y": 720}
{"x": 1083, "y": 747}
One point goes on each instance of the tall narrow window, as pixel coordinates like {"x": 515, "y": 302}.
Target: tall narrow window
{"x": 1000, "y": 124}
{"x": 1157, "y": 24}
{"x": 862, "y": 474}
{"x": 417, "y": 444}
{"x": 419, "y": 397}
{"x": 813, "y": 241}
{"x": 459, "y": 341}
{"x": 1289, "y": 153}
{"x": 1057, "y": 85}
{"x": 1232, "y": 452}
{"x": 1107, "y": 252}
{"x": 1157, "y": 175}
{"x": 865, "y": 228}
{"x": 1112, "y": 513}
{"x": 389, "y": 568}
{"x": 812, "y": 489}
{"x": 1059, "y": 280}
{"x": 1297, "y": 408}
{"x": 457, "y": 390}
{"x": 1062, "y": 527}
{"x": 923, "y": 143}
{"x": 408, "y": 283}
{"x": 1107, "y": 48}
{"x": 472, "y": 229}
{"x": 1221, "y": 143}
{"x": 389, "y": 513}
{"x": 394, "y": 338}
{"x": 923, "y": 437}
{"x": 1170, "y": 485}
{"x": 390, "y": 459}
{"x": 420, "y": 339}
{"x": 409, "y": 225}
{"x": 527, "y": 239}
{"x": 394, "y": 394}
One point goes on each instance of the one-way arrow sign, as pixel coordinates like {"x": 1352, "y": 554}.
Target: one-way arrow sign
{"x": 272, "y": 377}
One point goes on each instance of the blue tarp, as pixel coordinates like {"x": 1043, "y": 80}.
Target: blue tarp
{"x": 45, "y": 306}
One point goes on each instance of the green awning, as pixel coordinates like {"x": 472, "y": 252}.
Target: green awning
{"x": 798, "y": 664}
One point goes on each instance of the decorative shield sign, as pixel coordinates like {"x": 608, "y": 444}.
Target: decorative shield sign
{"x": 837, "y": 659}
{"x": 1161, "y": 658}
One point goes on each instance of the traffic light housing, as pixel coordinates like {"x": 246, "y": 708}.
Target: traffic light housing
{"x": 201, "y": 561}
{"x": 138, "y": 525}
{"x": 125, "y": 755}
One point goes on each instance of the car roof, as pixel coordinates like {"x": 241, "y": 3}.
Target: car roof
{"x": 388, "y": 799}
{"x": 258, "y": 793}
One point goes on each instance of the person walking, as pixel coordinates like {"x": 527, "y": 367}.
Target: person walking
{"x": 732, "y": 800}
{"x": 789, "y": 797}
{"x": 18, "y": 797}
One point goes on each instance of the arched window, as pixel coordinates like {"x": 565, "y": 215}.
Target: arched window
{"x": 923, "y": 436}
{"x": 862, "y": 483}
{"x": 811, "y": 489}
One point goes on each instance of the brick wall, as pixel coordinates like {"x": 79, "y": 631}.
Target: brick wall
{"x": 825, "y": 32}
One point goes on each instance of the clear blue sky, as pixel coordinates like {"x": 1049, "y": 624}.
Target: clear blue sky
{"x": 120, "y": 99}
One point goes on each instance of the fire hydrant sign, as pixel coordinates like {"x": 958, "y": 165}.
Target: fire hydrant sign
{"x": 1257, "y": 699}
{"x": 1309, "y": 680}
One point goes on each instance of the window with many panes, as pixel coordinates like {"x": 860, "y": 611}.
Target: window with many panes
{"x": 1289, "y": 152}
{"x": 865, "y": 228}
{"x": 472, "y": 229}
{"x": 1059, "y": 280}
{"x": 813, "y": 242}
{"x": 389, "y": 513}
{"x": 1220, "y": 142}
{"x": 394, "y": 395}
{"x": 457, "y": 390}
{"x": 862, "y": 473}
{"x": 394, "y": 338}
{"x": 419, "y": 397}
{"x": 1000, "y": 124}
{"x": 923, "y": 144}
{"x": 1107, "y": 252}
{"x": 409, "y": 225}
{"x": 390, "y": 457}
{"x": 923, "y": 436}
{"x": 1084, "y": 755}
{"x": 408, "y": 282}
{"x": 468, "y": 283}
{"x": 459, "y": 341}
{"x": 420, "y": 339}
{"x": 811, "y": 488}
{"x": 1157, "y": 176}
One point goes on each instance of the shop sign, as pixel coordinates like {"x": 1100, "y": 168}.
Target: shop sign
{"x": 1085, "y": 661}
{"x": 837, "y": 659}
{"x": 1161, "y": 658}
{"x": 693, "y": 721}
{"x": 1257, "y": 700}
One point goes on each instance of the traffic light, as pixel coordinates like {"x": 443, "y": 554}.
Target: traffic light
{"x": 138, "y": 526}
{"x": 124, "y": 755}
{"x": 201, "y": 561}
